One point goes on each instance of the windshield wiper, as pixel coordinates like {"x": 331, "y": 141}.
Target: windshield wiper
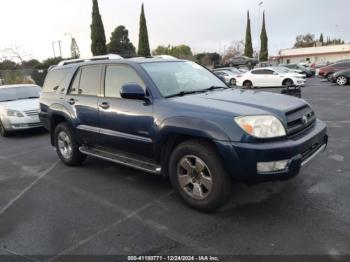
{"x": 182, "y": 93}
{"x": 215, "y": 87}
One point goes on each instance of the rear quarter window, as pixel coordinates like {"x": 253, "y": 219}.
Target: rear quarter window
{"x": 54, "y": 79}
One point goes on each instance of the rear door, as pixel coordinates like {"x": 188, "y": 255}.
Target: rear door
{"x": 257, "y": 76}
{"x": 83, "y": 98}
{"x": 125, "y": 124}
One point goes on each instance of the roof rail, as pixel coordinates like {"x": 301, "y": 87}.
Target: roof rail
{"x": 94, "y": 58}
{"x": 165, "y": 57}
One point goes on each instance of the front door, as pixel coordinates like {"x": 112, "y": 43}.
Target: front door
{"x": 125, "y": 124}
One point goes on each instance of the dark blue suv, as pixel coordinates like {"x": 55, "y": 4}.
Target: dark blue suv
{"x": 175, "y": 118}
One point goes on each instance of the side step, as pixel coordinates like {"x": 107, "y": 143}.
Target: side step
{"x": 122, "y": 159}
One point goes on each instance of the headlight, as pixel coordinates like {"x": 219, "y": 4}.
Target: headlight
{"x": 14, "y": 113}
{"x": 264, "y": 126}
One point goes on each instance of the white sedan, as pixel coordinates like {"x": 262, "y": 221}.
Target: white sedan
{"x": 19, "y": 108}
{"x": 269, "y": 77}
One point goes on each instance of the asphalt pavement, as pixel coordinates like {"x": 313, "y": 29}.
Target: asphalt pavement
{"x": 101, "y": 208}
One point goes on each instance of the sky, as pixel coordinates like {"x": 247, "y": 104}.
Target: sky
{"x": 205, "y": 25}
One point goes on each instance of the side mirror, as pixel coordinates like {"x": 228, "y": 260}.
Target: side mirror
{"x": 132, "y": 91}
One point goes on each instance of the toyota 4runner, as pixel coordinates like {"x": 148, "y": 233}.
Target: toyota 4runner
{"x": 175, "y": 118}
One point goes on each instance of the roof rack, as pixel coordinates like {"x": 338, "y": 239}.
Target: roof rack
{"x": 94, "y": 58}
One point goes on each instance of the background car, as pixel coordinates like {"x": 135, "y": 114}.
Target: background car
{"x": 308, "y": 72}
{"x": 268, "y": 77}
{"x": 341, "y": 77}
{"x": 328, "y": 71}
{"x": 228, "y": 76}
{"x": 19, "y": 108}
{"x": 242, "y": 60}
{"x": 298, "y": 73}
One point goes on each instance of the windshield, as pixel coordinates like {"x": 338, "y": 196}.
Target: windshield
{"x": 180, "y": 76}
{"x": 19, "y": 92}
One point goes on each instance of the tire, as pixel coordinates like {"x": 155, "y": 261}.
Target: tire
{"x": 232, "y": 82}
{"x": 247, "y": 84}
{"x": 205, "y": 191}
{"x": 3, "y": 131}
{"x": 287, "y": 82}
{"x": 341, "y": 80}
{"x": 66, "y": 146}
{"x": 329, "y": 77}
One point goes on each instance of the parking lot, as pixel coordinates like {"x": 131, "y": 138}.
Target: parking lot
{"x": 102, "y": 208}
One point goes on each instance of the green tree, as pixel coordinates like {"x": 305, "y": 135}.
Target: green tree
{"x": 180, "y": 51}
{"x": 74, "y": 49}
{"x": 143, "y": 49}
{"x": 307, "y": 40}
{"x": 120, "y": 43}
{"x": 208, "y": 59}
{"x": 321, "y": 39}
{"x": 248, "y": 49}
{"x": 162, "y": 50}
{"x": 98, "y": 38}
{"x": 264, "y": 52}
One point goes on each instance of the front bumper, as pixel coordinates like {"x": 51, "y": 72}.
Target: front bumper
{"x": 23, "y": 123}
{"x": 240, "y": 159}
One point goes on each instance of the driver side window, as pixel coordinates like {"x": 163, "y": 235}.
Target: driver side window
{"x": 119, "y": 75}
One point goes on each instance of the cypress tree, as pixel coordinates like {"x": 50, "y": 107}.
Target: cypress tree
{"x": 248, "y": 48}
{"x": 321, "y": 39}
{"x": 144, "y": 49}
{"x": 264, "y": 53}
{"x": 98, "y": 38}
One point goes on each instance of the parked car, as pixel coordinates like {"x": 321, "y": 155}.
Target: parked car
{"x": 263, "y": 64}
{"x": 242, "y": 61}
{"x": 269, "y": 77}
{"x": 328, "y": 71}
{"x": 176, "y": 118}
{"x": 19, "y": 108}
{"x": 297, "y": 73}
{"x": 231, "y": 69}
{"x": 228, "y": 76}
{"x": 341, "y": 77}
{"x": 308, "y": 72}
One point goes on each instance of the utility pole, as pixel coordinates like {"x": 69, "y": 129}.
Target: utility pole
{"x": 59, "y": 45}
{"x": 53, "y": 48}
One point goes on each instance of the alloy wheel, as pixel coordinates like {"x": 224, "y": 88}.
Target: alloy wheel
{"x": 341, "y": 80}
{"x": 194, "y": 177}
{"x": 64, "y": 145}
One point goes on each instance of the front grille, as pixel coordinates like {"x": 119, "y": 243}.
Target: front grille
{"x": 299, "y": 119}
{"x": 32, "y": 112}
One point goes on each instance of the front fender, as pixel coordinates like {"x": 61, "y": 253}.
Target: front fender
{"x": 188, "y": 126}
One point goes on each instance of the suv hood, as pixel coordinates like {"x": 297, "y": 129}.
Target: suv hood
{"x": 243, "y": 102}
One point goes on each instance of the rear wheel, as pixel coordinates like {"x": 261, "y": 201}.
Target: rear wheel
{"x": 3, "y": 131}
{"x": 66, "y": 146}
{"x": 341, "y": 80}
{"x": 247, "y": 84}
{"x": 197, "y": 174}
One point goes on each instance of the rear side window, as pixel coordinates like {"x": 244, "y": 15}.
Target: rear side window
{"x": 117, "y": 76}
{"x": 54, "y": 79}
{"x": 258, "y": 72}
{"x": 90, "y": 80}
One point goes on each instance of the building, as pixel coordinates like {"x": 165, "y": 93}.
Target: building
{"x": 317, "y": 54}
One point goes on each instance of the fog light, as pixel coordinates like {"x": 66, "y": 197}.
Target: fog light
{"x": 266, "y": 167}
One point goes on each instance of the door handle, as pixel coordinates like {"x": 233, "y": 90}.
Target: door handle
{"x": 104, "y": 105}
{"x": 72, "y": 101}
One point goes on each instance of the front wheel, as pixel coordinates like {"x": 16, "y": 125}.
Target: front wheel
{"x": 288, "y": 83}
{"x": 341, "y": 80}
{"x": 233, "y": 82}
{"x": 67, "y": 147}
{"x": 197, "y": 174}
{"x": 330, "y": 77}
